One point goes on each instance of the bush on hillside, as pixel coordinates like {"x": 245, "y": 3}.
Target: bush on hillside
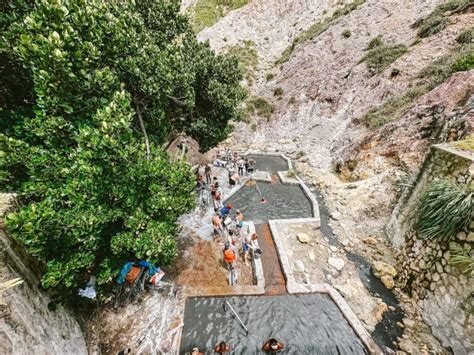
{"x": 379, "y": 58}
{"x": 444, "y": 209}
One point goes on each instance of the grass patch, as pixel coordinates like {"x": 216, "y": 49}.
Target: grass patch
{"x": 438, "y": 20}
{"x": 466, "y": 36}
{"x": 269, "y": 76}
{"x": 459, "y": 59}
{"x": 259, "y": 106}
{"x": 461, "y": 258}
{"x": 392, "y": 108}
{"x": 374, "y": 43}
{"x": 443, "y": 210}
{"x": 247, "y": 55}
{"x": 465, "y": 144}
{"x": 317, "y": 29}
{"x": 291, "y": 173}
{"x": 380, "y": 57}
{"x": 278, "y": 92}
{"x": 346, "y": 33}
{"x": 208, "y": 12}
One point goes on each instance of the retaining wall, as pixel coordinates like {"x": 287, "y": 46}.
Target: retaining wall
{"x": 442, "y": 292}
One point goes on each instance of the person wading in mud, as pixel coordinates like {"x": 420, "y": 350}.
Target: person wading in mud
{"x": 272, "y": 346}
{"x": 222, "y": 348}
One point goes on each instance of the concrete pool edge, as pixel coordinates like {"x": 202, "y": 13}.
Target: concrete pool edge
{"x": 295, "y": 288}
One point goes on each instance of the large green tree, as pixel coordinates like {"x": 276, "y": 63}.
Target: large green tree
{"x": 91, "y": 92}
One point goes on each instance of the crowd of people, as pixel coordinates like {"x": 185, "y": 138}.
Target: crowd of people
{"x": 228, "y": 223}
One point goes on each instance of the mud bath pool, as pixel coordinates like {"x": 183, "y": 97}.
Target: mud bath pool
{"x": 284, "y": 202}
{"x": 306, "y": 324}
{"x": 269, "y": 163}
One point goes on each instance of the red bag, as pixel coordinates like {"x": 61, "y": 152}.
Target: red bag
{"x": 132, "y": 274}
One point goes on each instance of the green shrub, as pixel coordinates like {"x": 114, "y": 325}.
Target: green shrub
{"x": 208, "y": 12}
{"x": 300, "y": 154}
{"x": 391, "y": 109}
{"x": 247, "y": 56}
{"x": 291, "y": 173}
{"x": 278, "y": 92}
{"x": 379, "y": 58}
{"x": 346, "y": 33}
{"x": 269, "y": 76}
{"x": 444, "y": 209}
{"x": 466, "y": 36}
{"x": 259, "y": 106}
{"x": 432, "y": 26}
{"x": 461, "y": 258}
{"x": 458, "y": 59}
{"x": 438, "y": 20}
{"x": 374, "y": 43}
{"x": 292, "y": 100}
{"x": 466, "y": 143}
{"x": 464, "y": 63}
{"x": 253, "y": 127}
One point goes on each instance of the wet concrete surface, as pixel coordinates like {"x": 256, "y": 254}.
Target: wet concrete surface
{"x": 306, "y": 324}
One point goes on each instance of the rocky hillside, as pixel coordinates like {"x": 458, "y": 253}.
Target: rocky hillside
{"x": 356, "y": 92}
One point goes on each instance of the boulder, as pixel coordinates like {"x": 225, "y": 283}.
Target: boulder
{"x": 370, "y": 241}
{"x": 378, "y": 312}
{"x": 303, "y": 238}
{"x": 379, "y": 269}
{"x": 336, "y": 263}
{"x": 387, "y": 280}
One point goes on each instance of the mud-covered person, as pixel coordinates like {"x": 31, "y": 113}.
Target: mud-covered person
{"x": 272, "y": 346}
{"x": 222, "y": 348}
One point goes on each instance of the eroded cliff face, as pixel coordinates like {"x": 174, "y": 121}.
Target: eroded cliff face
{"x": 27, "y": 326}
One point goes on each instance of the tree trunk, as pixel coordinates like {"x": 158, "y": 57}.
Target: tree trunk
{"x": 142, "y": 126}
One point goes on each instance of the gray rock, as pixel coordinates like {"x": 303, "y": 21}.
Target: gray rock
{"x": 435, "y": 277}
{"x": 336, "y": 263}
{"x": 303, "y": 238}
{"x": 299, "y": 266}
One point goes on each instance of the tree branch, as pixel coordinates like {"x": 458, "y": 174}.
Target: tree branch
{"x": 142, "y": 126}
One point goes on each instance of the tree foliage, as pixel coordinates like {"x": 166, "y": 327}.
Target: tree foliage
{"x": 86, "y": 85}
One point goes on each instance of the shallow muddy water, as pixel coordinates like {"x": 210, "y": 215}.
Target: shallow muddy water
{"x": 269, "y": 163}
{"x": 306, "y": 324}
{"x": 283, "y": 202}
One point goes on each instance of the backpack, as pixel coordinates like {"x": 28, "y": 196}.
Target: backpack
{"x": 132, "y": 274}
{"x": 229, "y": 255}
{"x": 217, "y": 195}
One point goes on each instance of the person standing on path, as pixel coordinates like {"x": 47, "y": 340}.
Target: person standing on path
{"x": 207, "y": 173}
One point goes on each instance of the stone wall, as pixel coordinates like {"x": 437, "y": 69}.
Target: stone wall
{"x": 27, "y": 326}
{"x": 441, "y": 290}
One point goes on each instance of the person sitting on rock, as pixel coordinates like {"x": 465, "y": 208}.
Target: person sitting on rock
{"x": 222, "y": 348}
{"x": 272, "y": 346}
